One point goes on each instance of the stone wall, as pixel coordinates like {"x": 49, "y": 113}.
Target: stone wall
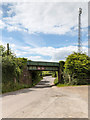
{"x": 26, "y": 76}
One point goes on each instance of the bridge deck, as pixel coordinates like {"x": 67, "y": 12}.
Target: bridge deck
{"x": 39, "y": 63}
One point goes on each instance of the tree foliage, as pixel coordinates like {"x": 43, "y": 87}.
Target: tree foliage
{"x": 77, "y": 68}
{"x": 3, "y": 52}
{"x": 12, "y": 68}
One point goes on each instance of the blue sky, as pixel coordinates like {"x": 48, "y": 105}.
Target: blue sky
{"x": 43, "y": 31}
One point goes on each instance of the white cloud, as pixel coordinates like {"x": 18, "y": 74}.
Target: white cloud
{"x": 36, "y": 58}
{"x": 1, "y": 13}
{"x": 85, "y": 43}
{"x": 45, "y": 1}
{"x": 50, "y": 18}
{"x": 12, "y": 45}
{"x": 12, "y": 28}
{"x": 42, "y": 53}
{"x": 2, "y": 24}
{"x": 1, "y": 42}
{"x": 55, "y": 54}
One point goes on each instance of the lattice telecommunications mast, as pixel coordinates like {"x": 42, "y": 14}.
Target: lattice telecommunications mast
{"x": 79, "y": 31}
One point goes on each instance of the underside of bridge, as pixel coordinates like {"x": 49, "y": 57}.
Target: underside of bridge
{"x": 44, "y": 66}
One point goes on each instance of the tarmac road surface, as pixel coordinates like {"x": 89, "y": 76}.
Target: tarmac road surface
{"x": 46, "y": 101}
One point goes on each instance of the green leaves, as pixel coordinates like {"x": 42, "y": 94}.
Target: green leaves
{"x": 78, "y": 66}
{"x": 12, "y": 70}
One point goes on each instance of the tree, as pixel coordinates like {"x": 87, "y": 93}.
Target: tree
{"x": 2, "y": 49}
{"x": 3, "y": 52}
{"x": 77, "y": 66}
{"x": 8, "y": 69}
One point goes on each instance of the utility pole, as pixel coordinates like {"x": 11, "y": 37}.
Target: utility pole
{"x": 7, "y": 49}
{"x": 79, "y": 31}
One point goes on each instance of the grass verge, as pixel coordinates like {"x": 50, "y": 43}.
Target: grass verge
{"x": 63, "y": 85}
{"x": 13, "y": 87}
{"x": 10, "y": 87}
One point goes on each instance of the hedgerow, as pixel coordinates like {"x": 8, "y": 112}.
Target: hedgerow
{"x": 12, "y": 69}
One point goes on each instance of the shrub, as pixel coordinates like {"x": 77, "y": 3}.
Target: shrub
{"x": 54, "y": 74}
{"x": 12, "y": 69}
{"x": 46, "y": 73}
{"x": 77, "y": 68}
{"x": 8, "y": 69}
{"x": 36, "y": 77}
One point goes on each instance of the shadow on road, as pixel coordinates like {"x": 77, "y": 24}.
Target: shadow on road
{"x": 45, "y": 86}
{"x": 17, "y": 92}
{"x": 45, "y": 83}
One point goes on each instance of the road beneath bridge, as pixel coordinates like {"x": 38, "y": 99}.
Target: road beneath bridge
{"x": 46, "y": 101}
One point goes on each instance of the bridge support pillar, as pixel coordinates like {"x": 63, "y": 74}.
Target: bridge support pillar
{"x": 30, "y": 77}
{"x": 59, "y": 76}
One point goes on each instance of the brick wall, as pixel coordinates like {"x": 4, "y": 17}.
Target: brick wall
{"x": 26, "y": 76}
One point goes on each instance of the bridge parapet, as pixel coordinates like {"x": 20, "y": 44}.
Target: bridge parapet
{"x": 39, "y": 63}
{"x": 44, "y": 66}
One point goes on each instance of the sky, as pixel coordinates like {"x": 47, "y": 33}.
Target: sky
{"x": 43, "y": 31}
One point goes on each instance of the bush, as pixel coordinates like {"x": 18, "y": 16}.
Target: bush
{"x": 36, "y": 77}
{"x": 65, "y": 77}
{"x": 8, "y": 69}
{"x": 54, "y": 74}
{"x": 10, "y": 86}
{"x": 77, "y": 68}
{"x": 46, "y": 73}
{"x": 12, "y": 70}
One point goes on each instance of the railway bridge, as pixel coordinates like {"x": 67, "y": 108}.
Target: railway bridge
{"x": 44, "y": 66}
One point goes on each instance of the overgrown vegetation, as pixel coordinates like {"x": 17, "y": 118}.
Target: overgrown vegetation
{"x": 75, "y": 70}
{"x": 61, "y": 84}
{"x": 12, "y": 69}
{"x": 46, "y": 73}
{"x": 36, "y": 77}
{"x": 54, "y": 74}
{"x": 77, "y": 67}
